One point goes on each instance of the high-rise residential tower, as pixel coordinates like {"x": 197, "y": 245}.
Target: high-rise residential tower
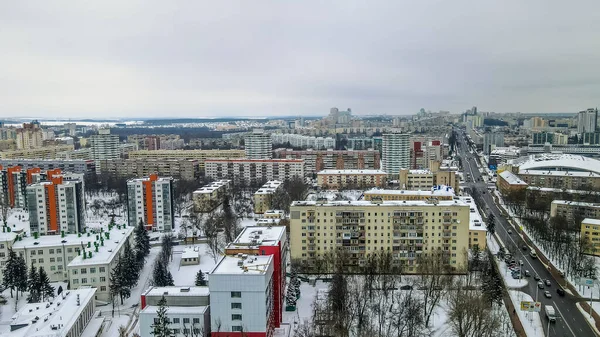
{"x": 258, "y": 145}
{"x": 395, "y": 153}
{"x": 104, "y": 145}
{"x": 587, "y": 120}
{"x": 150, "y": 199}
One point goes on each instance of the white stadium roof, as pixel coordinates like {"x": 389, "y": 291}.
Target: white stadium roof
{"x": 557, "y": 162}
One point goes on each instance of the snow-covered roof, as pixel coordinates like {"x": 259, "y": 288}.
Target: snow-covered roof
{"x": 560, "y": 173}
{"x": 259, "y": 236}
{"x": 575, "y": 203}
{"x": 447, "y": 203}
{"x": 54, "y": 319}
{"x": 107, "y": 252}
{"x": 440, "y": 190}
{"x": 267, "y": 221}
{"x": 589, "y": 221}
{"x": 248, "y": 265}
{"x": 152, "y": 310}
{"x": 177, "y": 291}
{"x": 422, "y": 171}
{"x": 274, "y": 211}
{"x": 190, "y": 253}
{"x": 511, "y": 178}
{"x": 558, "y": 162}
{"x": 475, "y": 220}
{"x": 215, "y": 185}
{"x": 269, "y": 187}
{"x": 67, "y": 240}
{"x": 351, "y": 172}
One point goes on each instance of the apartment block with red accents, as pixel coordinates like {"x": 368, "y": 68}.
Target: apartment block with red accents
{"x": 150, "y": 200}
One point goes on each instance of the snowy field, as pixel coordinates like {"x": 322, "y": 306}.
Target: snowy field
{"x": 532, "y": 322}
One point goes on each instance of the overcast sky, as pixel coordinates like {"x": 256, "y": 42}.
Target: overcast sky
{"x": 131, "y": 58}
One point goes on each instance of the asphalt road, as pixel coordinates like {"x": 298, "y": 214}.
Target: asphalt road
{"x": 570, "y": 321}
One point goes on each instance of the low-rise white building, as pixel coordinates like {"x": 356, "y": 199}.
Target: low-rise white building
{"x": 101, "y": 255}
{"x": 67, "y": 315}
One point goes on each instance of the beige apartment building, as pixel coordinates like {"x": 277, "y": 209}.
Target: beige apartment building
{"x": 46, "y": 152}
{"x": 210, "y": 196}
{"x": 333, "y": 179}
{"x": 444, "y": 193}
{"x": 574, "y": 209}
{"x": 406, "y": 229}
{"x": 263, "y": 198}
{"x": 184, "y": 169}
{"x": 590, "y": 230}
{"x": 200, "y": 155}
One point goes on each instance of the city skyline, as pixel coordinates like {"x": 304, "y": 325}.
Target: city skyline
{"x": 155, "y": 59}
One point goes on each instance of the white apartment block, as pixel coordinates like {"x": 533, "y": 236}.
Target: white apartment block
{"x": 258, "y": 145}
{"x": 104, "y": 145}
{"x": 150, "y": 200}
{"x": 254, "y": 171}
{"x": 68, "y": 315}
{"x": 241, "y": 296}
{"x": 101, "y": 255}
{"x": 295, "y": 140}
{"x": 395, "y": 152}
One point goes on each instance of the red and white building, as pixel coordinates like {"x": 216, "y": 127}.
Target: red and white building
{"x": 150, "y": 199}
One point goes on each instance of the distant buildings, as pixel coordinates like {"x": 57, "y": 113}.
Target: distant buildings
{"x": 14, "y": 180}
{"x": 254, "y": 171}
{"x": 334, "y": 179}
{"x": 587, "y": 121}
{"x": 150, "y": 200}
{"x": 318, "y": 160}
{"x": 85, "y": 167}
{"x": 395, "y": 152}
{"x": 46, "y": 152}
{"x": 301, "y": 141}
{"x": 422, "y": 151}
{"x": 29, "y": 136}
{"x": 183, "y": 169}
{"x": 491, "y": 140}
{"x": 200, "y": 155}
{"x": 508, "y": 183}
{"x": 258, "y": 145}
{"x": 440, "y": 173}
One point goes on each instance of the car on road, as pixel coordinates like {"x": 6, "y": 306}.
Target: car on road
{"x": 560, "y": 291}
{"x": 533, "y": 255}
{"x": 520, "y": 262}
{"x": 509, "y": 231}
{"x": 540, "y": 285}
{"x": 527, "y": 273}
{"x": 536, "y": 277}
{"x": 547, "y": 282}
{"x": 524, "y": 247}
{"x": 547, "y": 294}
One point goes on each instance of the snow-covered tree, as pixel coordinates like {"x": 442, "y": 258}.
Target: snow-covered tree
{"x": 119, "y": 282}
{"x": 290, "y": 296}
{"x": 9, "y": 272}
{"x": 142, "y": 242}
{"x": 161, "y": 326}
{"x": 45, "y": 289}
{"x": 33, "y": 285}
{"x": 21, "y": 276}
{"x": 200, "y": 279}
{"x": 131, "y": 267}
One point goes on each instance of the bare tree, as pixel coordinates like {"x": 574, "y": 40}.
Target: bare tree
{"x": 4, "y": 208}
{"x": 215, "y": 242}
{"x": 471, "y": 315}
{"x": 434, "y": 280}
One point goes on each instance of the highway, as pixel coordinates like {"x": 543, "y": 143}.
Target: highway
{"x": 570, "y": 321}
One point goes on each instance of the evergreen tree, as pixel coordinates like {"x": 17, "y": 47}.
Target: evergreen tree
{"x": 169, "y": 279}
{"x": 119, "y": 283}
{"x": 159, "y": 277}
{"x": 161, "y": 326}
{"x": 10, "y": 272}
{"x": 200, "y": 279}
{"x": 45, "y": 289}
{"x": 142, "y": 242}
{"x": 130, "y": 266}
{"x": 21, "y": 276}
{"x": 290, "y": 296}
{"x": 33, "y": 285}
{"x": 491, "y": 224}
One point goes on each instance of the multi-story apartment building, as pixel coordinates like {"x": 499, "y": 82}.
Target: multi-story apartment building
{"x": 266, "y": 240}
{"x": 67, "y": 315}
{"x": 55, "y": 252}
{"x": 56, "y": 205}
{"x": 254, "y": 171}
{"x": 86, "y": 167}
{"x": 92, "y": 268}
{"x": 573, "y": 210}
{"x": 242, "y": 301}
{"x": 104, "y": 145}
{"x": 183, "y": 169}
{"x": 441, "y": 193}
{"x": 395, "y": 152}
{"x": 405, "y": 228}
{"x": 307, "y": 142}
{"x": 351, "y": 178}
{"x": 29, "y": 136}
{"x": 571, "y": 180}
{"x": 13, "y": 181}
{"x": 492, "y": 140}
{"x": 200, "y": 155}
{"x": 508, "y": 182}
{"x": 258, "y": 145}
{"x": 590, "y": 231}
{"x": 423, "y": 151}
{"x": 210, "y": 196}
{"x": 264, "y": 196}
{"x": 150, "y": 200}
{"x": 587, "y": 120}
{"x": 318, "y": 160}
{"x": 428, "y": 178}
{"x": 189, "y": 311}
{"x": 46, "y": 152}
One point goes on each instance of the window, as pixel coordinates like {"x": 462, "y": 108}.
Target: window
{"x": 236, "y": 305}
{"x": 58, "y": 251}
{"x": 92, "y": 270}
{"x": 176, "y": 331}
{"x": 40, "y": 252}
{"x": 102, "y": 279}
{"x": 236, "y": 328}
{"x": 186, "y": 320}
{"x": 33, "y": 260}
{"x": 69, "y": 250}
{"x": 51, "y": 251}
{"x": 155, "y": 320}
{"x": 176, "y": 320}
{"x": 102, "y": 269}
{"x": 103, "y": 288}
{"x": 75, "y": 281}
{"x": 52, "y": 259}
{"x": 236, "y": 317}
{"x": 196, "y": 320}
{"x": 83, "y": 271}
{"x": 236, "y": 294}
{"x": 33, "y": 252}
{"x": 84, "y": 280}
{"x": 41, "y": 260}
{"x": 74, "y": 271}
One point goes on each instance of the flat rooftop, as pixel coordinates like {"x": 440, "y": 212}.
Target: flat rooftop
{"x": 54, "y": 319}
{"x": 575, "y": 203}
{"x": 475, "y": 220}
{"x": 249, "y": 265}
{"x": 362, "y": 203}
{"x": 105, "y": 253}
{"x": 259, "y": 236}
{"x": 269, "y": 187}
{"x": 590, "y": 221}
{"x": 511, "y": 178}
{"x": 177, "y": 291}
{"x": 68, "y": 240}
{"x": 560, "y": 173}
{"x": 189, "y": 253}
{"x": 441, "y": 191}
{"x": 351, "y": 172}
{"x": 176, "y": 310}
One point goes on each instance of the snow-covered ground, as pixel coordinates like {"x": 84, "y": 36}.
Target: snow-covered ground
{"x": 532, "y": 322}
{"x": 186, "y": 275}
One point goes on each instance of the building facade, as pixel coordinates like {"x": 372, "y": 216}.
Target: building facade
{"x": 587, "y": 121}
{"x": 150, "y": 200}
{"x": 183, "y": 169}
{"x": 590, "y": 231}
{"x": 254, "y": 171}
{"x": 264, "y": 196}
{"x": 200, "y": 155}
{"x": 258, "y": 145}
{"x": 46, "y": 152}
{"x": 406, "y": 229}
{"x": 104, "y": 145}
{"x": 491, "y": 140}
{"x": 333, "y": 179}
{"x": 395, "y": 152}
{"x": 29, "y": 136}
{"x": 210, "y": 196}
{"x": 318, "y": 160}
